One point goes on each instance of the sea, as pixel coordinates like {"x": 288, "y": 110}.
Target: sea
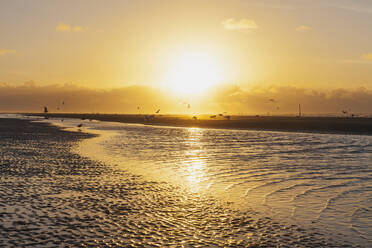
{"x": 312, "y": 180}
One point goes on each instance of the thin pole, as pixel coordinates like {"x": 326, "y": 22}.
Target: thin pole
{"x": 299, "y": 110}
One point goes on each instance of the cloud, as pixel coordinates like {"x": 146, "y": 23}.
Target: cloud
{"x": 233, "y": 99}
{"x": 356, "y": 8}
{"x": 6, "y": 51}
{"x": 367, "y": 56}
{"x": 304, "y": 28}
{"x": 62, "y": 27}
{"x": 241, "y": 24}
{"x": 257, "y": 100}
{"x": 31, "y": 97}
{"x": 277, "y": 6}
{"x": 77, "y": 28}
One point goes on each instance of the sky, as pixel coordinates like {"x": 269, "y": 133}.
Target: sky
{"x": 182, "y": 48}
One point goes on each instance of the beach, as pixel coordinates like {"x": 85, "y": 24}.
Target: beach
{"x": 51, "y": 196}
{"x": 332, "y": 125}
{"x": 186, "y": 123}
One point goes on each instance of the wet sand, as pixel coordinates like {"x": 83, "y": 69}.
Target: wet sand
{"x": 339, "y": 125}
{"x": 50, "y": 196}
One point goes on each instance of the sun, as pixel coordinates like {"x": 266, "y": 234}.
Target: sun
{"x": 193, "y": 73}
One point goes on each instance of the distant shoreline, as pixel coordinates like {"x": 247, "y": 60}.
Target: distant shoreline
{"x": 329, "y": 125}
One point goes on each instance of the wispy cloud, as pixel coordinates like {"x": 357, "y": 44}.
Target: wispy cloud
{"x": 277, "y": 6}
{"x": 367, "y": 56}
{"x": 63, "y": 27}
{"x": 363, "y": 59}
{"x": 240, "y": 24}
{"x": 77, "y": 28}
{"x": 304, "y": 28}
{"x": 6, "y": 51}
{"x": 359, "y": 9}
{"x": 360, "y": 6}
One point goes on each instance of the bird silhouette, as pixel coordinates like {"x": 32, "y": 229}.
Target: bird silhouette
{"x": 157, "y": 112}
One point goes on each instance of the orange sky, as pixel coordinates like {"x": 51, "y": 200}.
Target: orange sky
{"x": 322, "y": 45}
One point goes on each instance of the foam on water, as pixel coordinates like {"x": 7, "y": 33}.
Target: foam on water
{"x": 313, "y": 180}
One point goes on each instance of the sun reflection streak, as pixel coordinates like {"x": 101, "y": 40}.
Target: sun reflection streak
{"x": 194, "y": 163}
{"x": 195, "y": 172}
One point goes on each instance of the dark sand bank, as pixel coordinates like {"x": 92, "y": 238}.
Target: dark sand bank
{"x": 52, "y": 197}
{"x": 339, "y": 125}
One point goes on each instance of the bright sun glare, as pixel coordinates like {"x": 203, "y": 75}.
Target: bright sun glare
{"x": 194, "y": 73}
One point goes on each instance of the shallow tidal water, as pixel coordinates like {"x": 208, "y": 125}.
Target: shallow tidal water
{"x": 321, "y": 181}
{"x": 186, "y": 187}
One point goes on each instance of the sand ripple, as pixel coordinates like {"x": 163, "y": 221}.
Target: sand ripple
{"x": 51, "y": 197}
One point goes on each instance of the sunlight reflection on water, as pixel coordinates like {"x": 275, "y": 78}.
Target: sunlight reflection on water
{"x": 195, "y": 166}
{"x": 308, "y": 179}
